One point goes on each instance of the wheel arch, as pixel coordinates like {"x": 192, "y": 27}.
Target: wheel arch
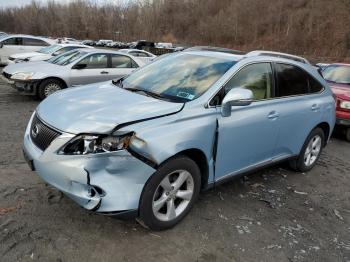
{"x": 199, "y": 157}
{"x": 326, "y": 129}
{"x": 53, "y": 78}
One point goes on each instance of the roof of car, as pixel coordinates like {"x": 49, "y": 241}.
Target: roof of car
{"x": 77, "y": 44}
{"x": 217, "y": 54}
{"x": 339, "y": 64}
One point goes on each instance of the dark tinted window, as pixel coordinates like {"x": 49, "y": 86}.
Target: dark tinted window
{"x": 256, "y": 77}
{"x": 13, "y": 41}
{"x": 34, "y": 42}
{"x": 291, "y": 80}
{"x": 95, "y": 61}
{"x": 314, "y": 85}
{"x": 121, "y": 61}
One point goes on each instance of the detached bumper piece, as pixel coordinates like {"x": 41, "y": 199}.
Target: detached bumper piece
{"x": 25, "y": 86}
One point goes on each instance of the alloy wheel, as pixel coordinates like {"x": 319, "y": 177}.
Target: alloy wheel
{"x": 313, "y": 150}
{"x": 173, "y": 195}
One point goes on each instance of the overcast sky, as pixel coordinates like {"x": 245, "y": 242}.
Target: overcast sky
{"x": 10, "y": 3}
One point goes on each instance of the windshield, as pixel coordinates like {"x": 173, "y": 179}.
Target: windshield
{"x": 181, "y": 76}
{"x": 337, "y": 73}
{"x": 49, "y": 49}
{"x": 66, "y": 58}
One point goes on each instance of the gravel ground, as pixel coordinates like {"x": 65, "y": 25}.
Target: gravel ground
{"x": 272, "y": 215}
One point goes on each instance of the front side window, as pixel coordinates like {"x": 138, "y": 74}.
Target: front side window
{"x": 256, "y": 77}
{"x": 95, "y": 61}
{"x": 121, "y": 61}
{"x": 337, "y": 73}
{"x": 291, "y": 80}
{"x": 34, "y": 42}
{"x": 12, "y": 41}
{"x": 181, "y": 76}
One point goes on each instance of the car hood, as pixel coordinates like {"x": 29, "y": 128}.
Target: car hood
{"x": 99, "y": 108}
{"x": 26, "y": 55}
{"x": 35, "y": 67}
{"x": 341, "y": 90}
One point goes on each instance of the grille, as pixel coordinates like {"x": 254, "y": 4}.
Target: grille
{"x": 6, "y": 75}
{"x": 41, "y": 134}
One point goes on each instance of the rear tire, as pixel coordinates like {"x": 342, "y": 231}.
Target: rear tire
{"x": 48, "y": 87}
{"x": 347, "y": 134}
{"x": 310, "y": 152}
{"x": 169, "y": 194}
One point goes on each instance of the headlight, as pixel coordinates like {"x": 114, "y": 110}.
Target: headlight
{"x": 22, "y": 76}
{"x": 93, "y": 144}
{"x": 344, "y": 104}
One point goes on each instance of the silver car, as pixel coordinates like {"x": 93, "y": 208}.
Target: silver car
{"x": 77, "y": 67}
{"x": 44, "y": 53}
{"x": 140, "y": 54}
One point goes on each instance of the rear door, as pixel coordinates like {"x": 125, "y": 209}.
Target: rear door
{"x": 96, "y": 69}
{"x": 299, "y": 104}
{"x": 121, "y": 65}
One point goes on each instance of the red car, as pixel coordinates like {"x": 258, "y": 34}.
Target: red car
{"x": 338, "y": 77}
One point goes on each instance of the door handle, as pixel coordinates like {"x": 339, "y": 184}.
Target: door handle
{"x": 315, "y": 107}
{"x": 104, "y": 73}
{"x": 273, "y": 115}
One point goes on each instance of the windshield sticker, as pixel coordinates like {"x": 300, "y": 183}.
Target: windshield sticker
{"x": 185, "y": 95}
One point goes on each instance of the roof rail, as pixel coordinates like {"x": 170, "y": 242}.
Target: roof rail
{"x": 215, "y": 49}
{"x": 277, "y": 54}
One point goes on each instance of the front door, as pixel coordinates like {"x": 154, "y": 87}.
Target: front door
{"x": 247, "y": 138}
{"x": 95, "y": 70}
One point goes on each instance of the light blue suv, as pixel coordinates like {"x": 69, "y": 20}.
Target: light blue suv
{"x": 145, "y": 145}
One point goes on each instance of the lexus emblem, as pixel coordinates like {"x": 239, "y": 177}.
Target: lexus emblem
{"x": 35, "y": 131}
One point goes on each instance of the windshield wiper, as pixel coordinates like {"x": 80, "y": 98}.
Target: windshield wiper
{"x": 149, "y": 93}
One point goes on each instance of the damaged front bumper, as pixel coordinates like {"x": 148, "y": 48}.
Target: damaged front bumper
{"x": 109, "y": 183}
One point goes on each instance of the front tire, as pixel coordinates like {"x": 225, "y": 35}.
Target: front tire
{"x": 48, "y": 87}
{"x": 169, "y": 194}
{"x": 310, "y": 152}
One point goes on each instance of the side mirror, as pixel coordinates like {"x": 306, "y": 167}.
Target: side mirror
{"x": 55, "y": 54}
{"x": 236, "y": 97}
{"x": 80, "y": 66}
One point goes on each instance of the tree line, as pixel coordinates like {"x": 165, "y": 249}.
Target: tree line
{"x": 304, "y": 27}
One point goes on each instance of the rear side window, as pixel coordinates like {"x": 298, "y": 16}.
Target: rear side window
{"x": 34, "y": 42}
{"x": 13, "y": 41}
{"x": 292, "y": 81}
{"x": 314, "y": 85}
{"x": 121, "y": 61}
